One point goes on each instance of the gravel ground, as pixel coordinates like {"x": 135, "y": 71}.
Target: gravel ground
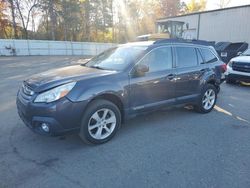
{"x": 170, "y": 148}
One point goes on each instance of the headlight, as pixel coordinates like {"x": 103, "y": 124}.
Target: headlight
{"x": 230, "y": 64}
{"x": 55, "y": 93}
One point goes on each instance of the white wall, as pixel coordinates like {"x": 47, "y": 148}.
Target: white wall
{"x": 231, "y": 25}
{"x": 43, "y": 47}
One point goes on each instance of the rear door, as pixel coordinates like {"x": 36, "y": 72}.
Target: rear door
{"x": 211, "y": 63}
{"x": 188, "y": 71}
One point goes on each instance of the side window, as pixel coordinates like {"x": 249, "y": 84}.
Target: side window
{"x": 158, "y": 59}
{"x": 200, "y": 60}
{"x": 208, "y": 56}
{"x": 186, "y": 56}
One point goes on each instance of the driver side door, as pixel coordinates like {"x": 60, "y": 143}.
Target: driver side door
{"x": 157, "y": 86}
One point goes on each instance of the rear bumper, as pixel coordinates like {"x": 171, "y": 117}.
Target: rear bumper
{"x": 62, "y": 116}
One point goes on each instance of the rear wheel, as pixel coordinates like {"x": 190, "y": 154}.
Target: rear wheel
{"x": 218, "y": 89}
{"x": 207, "y": 99}
{"x": 100, "y": 122}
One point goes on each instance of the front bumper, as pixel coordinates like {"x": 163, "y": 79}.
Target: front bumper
{"x": 62, "y": 116}
{"x": 238, "y": 77}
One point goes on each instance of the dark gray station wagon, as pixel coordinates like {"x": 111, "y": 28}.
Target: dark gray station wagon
{"x": 93, "y": 99}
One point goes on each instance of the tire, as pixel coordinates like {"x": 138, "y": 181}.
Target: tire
{"x": 230, "y": 81}
{"x": 100, "y": 122}
{"x": 205, "y": 105}
{"x": 218, "y": 89}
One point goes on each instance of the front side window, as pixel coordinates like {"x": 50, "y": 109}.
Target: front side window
{"x": 158, "y": 59}
{"x": 208, "y": 56}
{"x": 116, "y": 58}
{"x": 186, "y": 57}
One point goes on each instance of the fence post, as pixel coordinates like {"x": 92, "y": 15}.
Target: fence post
{"x": 72, "y": 53}
{"x": 95, "y": 48}
{"x": 14, "y": 47}
{"x": 82, "y": 48}
{"x": 28, "y": 45}
{"x": 48, "y": 48}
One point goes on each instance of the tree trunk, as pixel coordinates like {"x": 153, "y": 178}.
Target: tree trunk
{"x": 14, "y": 29}
{"x": 113, "y": 27}
{"x": 52, "y": 19}
{"x": 87, "y": 24}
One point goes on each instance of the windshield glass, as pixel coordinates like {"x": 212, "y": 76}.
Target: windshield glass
{"x": 247, "y": 52}
{"x": 116, "y": 58}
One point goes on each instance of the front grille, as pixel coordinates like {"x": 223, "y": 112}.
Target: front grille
{"x": 26, "y": 93}
{"x": 241, "y": 66}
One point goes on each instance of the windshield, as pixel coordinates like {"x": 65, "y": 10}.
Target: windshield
{"x": 247, "y": 52}
{"x": 116, "y": 58}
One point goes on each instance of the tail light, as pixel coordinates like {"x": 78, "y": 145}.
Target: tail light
{"x": 224, "y": 67}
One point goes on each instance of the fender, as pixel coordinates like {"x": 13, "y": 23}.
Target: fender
{"x": 209, "y": 78}
{"x": 87, "y": 92}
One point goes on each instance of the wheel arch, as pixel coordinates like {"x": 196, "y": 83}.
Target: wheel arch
{"x": 111, "y": 97}
{"x": 213, "y": 82}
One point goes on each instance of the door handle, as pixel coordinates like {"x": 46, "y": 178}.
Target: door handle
{"x": 170, "y": 76}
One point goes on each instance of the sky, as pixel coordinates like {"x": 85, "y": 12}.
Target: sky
{"x": 213, "y": 4}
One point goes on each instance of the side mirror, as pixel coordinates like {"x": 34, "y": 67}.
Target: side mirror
{"x": 239, "y": 53}
{"x": 141, "y": 69}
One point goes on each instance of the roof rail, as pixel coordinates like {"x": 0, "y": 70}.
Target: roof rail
{"x": 200, "y": 42}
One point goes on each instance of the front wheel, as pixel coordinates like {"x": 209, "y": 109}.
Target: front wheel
{"x": 100, "y": 122}
{"x": 207, "y": 99}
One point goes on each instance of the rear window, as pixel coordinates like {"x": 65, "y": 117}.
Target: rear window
{"x": 186, "y": 56}
{"x": 208, "y": 56}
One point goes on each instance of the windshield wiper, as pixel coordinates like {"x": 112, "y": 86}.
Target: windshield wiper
{"x": 98, "y": 67}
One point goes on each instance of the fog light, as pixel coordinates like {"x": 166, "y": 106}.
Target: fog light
{"x": 45, "y": 127}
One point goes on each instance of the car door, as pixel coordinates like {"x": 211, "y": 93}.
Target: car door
{"x": 155, "y": 87}
{"x": 188, "y": 71}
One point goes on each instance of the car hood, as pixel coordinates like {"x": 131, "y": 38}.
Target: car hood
{"x": 47, "y": 80}
{"x": 245, "y": 59}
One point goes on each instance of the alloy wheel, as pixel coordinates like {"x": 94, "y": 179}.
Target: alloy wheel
{"x": 102, "y": 124}
{"x": 208, "y": 99}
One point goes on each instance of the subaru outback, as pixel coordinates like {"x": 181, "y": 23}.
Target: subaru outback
{"x": 94, "y": 98}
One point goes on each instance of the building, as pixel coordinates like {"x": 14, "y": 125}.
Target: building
{"x": 228, "y": 24}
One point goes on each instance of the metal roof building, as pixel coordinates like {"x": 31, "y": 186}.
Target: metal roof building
{"x": 228, "y": 24}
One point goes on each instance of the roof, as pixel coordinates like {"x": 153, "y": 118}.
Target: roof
{"x": 170, "y": 41}
{"x": 203, "y": 12}
{"x": 183, "y": 41}
{"x": 142, "y": 43}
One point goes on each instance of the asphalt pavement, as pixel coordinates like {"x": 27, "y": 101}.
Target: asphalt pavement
{"x": 170, "y": 148}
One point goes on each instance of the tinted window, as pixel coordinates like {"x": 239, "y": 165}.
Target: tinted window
{"x": 158, "y": 59}
{"x": 208, "y": 56}
{"x": 186, "y": 56}
{"x": 200, "y": 60}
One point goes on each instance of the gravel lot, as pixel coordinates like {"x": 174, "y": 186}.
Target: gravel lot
{"x": 171, "y": 148}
